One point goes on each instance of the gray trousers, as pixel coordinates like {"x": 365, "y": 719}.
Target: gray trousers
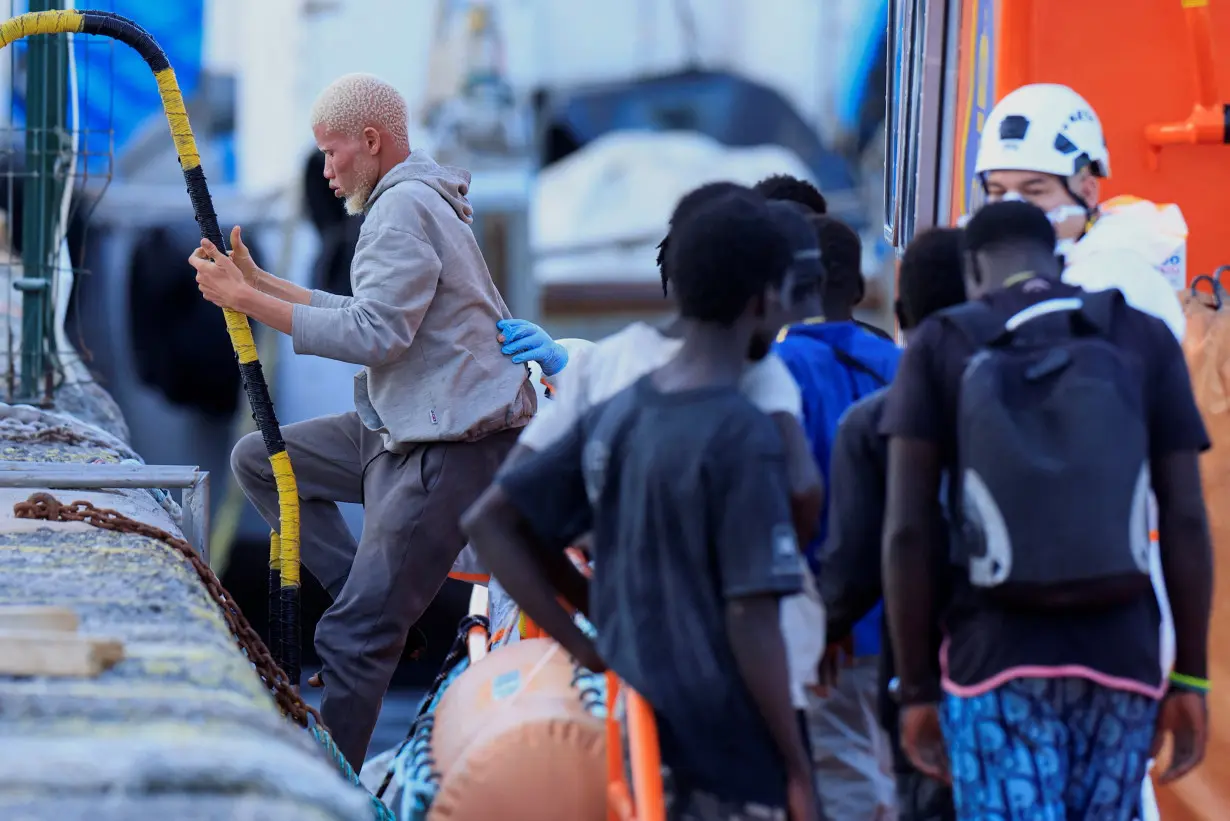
{"x": 412, "y": 505}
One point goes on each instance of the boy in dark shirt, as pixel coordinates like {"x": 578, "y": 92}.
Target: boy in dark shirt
{"x": 930, "y": 280}
{"x": 1045, "y": 714}
{"x": 683, "y": 484}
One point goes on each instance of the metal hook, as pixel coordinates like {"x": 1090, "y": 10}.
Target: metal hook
{"x": 1223, "y": 296}
{"x": 1216, "y": 289}
{"x": 1217, "y": 278}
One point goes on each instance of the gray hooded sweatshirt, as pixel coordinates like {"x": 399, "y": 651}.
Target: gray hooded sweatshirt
{"x": 422, "y": 318}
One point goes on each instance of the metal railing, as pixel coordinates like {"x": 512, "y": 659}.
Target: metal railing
{"x": 193, "y": 481}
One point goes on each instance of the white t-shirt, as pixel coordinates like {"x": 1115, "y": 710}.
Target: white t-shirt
{"x": 597, "y": 373}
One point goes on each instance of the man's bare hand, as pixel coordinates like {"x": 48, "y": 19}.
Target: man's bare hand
{"x": 801, "y": 801}
{"x": 923, "y": 741}
{"x": 837, "y": 654}
{"x": 1184, "y": 717}
{"x": 219, "y": 279}
{"x": 242, "y": 257}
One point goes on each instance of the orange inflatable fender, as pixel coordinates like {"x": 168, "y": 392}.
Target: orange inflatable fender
{"x": 515, "y": 737}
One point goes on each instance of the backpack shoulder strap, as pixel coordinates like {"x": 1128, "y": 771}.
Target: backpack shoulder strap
{"x": 852, "y": 362}
{"x": 1098, "y": 309}
{"x": 875, "y": 330}
{"x": 976, "y": 321}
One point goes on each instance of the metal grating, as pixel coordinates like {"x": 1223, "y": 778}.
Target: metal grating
{"x": 56, "y": 153}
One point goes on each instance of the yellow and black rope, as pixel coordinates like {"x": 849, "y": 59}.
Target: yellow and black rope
{"x": 283, "y": 548}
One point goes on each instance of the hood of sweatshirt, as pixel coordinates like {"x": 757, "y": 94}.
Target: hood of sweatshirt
{"x": 450, "y": 183}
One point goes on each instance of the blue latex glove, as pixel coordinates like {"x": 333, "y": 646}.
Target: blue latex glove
{"x": 526, "y": 342}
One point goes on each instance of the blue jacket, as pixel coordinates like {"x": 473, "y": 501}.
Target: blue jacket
{"x": 812, "y": 352}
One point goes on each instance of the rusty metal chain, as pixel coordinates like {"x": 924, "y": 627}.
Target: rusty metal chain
{"x": 12, "y": 432}
{"x": 47, "y": 507}
{"x": 61, "y": 434}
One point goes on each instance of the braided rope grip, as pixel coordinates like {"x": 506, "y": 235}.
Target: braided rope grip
{"x": 284, "y": 553}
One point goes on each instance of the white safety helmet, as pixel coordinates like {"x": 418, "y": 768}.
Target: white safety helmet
{"x": 1043, "y": 127}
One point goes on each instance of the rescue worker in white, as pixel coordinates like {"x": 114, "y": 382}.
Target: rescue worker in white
{"x": 1043, "y": 143}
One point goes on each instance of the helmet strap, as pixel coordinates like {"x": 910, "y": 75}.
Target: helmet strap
{"x": 1091, "y": 212}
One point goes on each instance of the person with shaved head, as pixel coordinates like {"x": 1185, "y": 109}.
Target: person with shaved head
{"x": 437, "y": 403}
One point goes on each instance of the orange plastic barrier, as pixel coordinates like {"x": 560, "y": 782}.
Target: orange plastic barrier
{"x": 643, "y": 800}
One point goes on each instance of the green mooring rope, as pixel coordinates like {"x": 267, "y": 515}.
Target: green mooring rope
{"x": 382, "y": 812}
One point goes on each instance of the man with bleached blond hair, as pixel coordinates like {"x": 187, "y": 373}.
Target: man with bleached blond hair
{"x": 437, "y": 405}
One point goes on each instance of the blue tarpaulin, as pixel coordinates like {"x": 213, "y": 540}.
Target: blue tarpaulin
{"x": 116, "y": 90}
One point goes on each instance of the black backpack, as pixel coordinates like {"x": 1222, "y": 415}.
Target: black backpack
{"x": 1052, "y": 477}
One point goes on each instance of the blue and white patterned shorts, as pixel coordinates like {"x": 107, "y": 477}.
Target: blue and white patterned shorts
{"x": 1062, "y": 749}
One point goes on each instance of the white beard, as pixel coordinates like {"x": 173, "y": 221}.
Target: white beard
{"x": 356, "y": 201}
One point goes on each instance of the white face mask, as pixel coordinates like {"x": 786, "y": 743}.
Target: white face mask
{"x": 1055, "y": 215}
{"x": 1058, "y": 216}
